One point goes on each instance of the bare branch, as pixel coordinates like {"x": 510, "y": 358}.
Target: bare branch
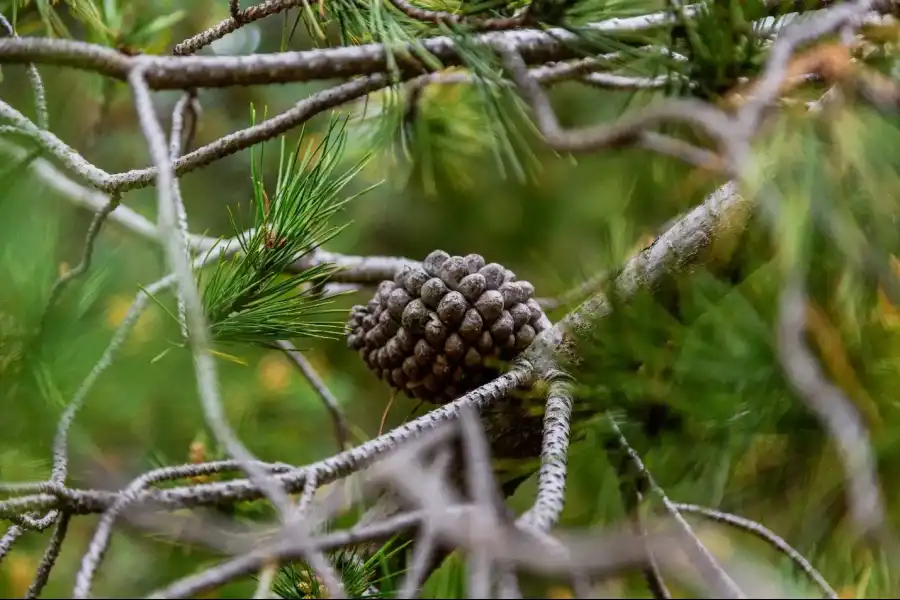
{"x": 626, "y": 130}
{"x": 623, "y": 82}
{"x": 89, "y": 242}
{"x": 673, "y": 251}
{"x": 246, "y": 564}
{"x": 713, "y": 574}
{"x": 199, "y": 336}
{"x": 766, "y": 534}
{"x": 355, "y": 269}
{"x": 447, "y": 18}
{"x": 483, "y": 492}
{"x": 45, "y": 172}
{"x": 48, "y": 560}
{"x": 176, "y": 140}
{"x": 223, "y": 28}
{"x": 182, "y": 72}
{"x": 554, "y": 455}
{"x": 341, "y": 429}
{"x": 652, "y": 574}
{"x": 833, "y": 409}
{"x": 810, "y": 28}
{"x": 53, "y": 145}
{"x": 9, "y": 538}
{"x": 34, "y": 77}
{"x": 327, "y": 470}
{"x": 266, "y": 130}
{"x": 234, "y": 7}
{"x": 100, "y": 541}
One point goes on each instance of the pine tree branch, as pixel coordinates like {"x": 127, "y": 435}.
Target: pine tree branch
{"x": 34, "y": 77}
{"x": 176, "y": 148}
{"x": 222, "y": 147}
{"x": 595, "y": 552}
{"x": 355, "y": 269}
{"x": 765, "y": 534}
{"x": 248, "y": 563}
{"x": 623, "y": 82}
{"x": 181, "y": 72}
{"x": 624, "y": 131}
{"x": 447, "y": 18}
{"x": 233, "y": 23}
{"x": 51, "y": 553}
{"x": 51, "y": 144}
{"x": 201, "y": 342}
{"x": 775, "y": 71}
{"x": 714, "y": 576}
{"x": 54, "y": 179}
{"x": 677, "y": 248}
{"x": 483, "y": 492}
{"x": 551, "y": 493}
{"x": 234, "y": 7}
{"x": 52, "y": 52}
{"x": 652, "y": 574}
{"x": 9, "y": 538}
{"x": 341, "y": 429}
{"x": 327, "y": 470}
{"x": 198, "y": 330}
{"x": 89, "y": 241}
{"x": 836, "y": 413}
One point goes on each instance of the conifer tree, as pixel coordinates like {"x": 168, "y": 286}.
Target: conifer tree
{"x": 707, "y": 412}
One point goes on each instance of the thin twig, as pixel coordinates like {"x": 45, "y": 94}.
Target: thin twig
{"x": 42, "y": 117}
{"x": 626, "y": 130}
{"x": 836, "y": 413}
{"x": 447, "y": 18}
{"x": 483, "y": 493}
{"x": 766, "y": 534}
{"x": 339, "y": 421}
{"x": 235, "y": 21}
{"x": 197, "y": 327}
{"x": 88, "y": 252}
{"x": 176, "y": 148}
{"x": 8, "y": 539}
{"x": 48, "y": 560}
{"x": 720, "y": 582}
{"x": 234, "y": 7}
{"x": 652, "y": 574}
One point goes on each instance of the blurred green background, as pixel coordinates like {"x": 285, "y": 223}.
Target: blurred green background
{"x": 568, "y": 219}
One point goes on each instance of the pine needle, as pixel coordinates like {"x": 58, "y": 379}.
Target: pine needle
{"x": 248, "y": 298}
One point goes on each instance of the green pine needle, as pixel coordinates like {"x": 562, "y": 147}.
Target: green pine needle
{"x": 249, "y": 298}
{"x": 369, "y": 578}
{"x": 502, "y": 105}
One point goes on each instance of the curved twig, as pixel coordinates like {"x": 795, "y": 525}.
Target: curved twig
{"x": 766, "y": 534}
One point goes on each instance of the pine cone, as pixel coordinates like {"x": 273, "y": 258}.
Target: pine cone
{"x": 440, "y": 330}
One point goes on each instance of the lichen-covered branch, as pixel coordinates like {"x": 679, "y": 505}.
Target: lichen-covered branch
{"x": 207, "y": 494}
{"x": 180, "y": 72}
{"x": 554, "y": 454}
